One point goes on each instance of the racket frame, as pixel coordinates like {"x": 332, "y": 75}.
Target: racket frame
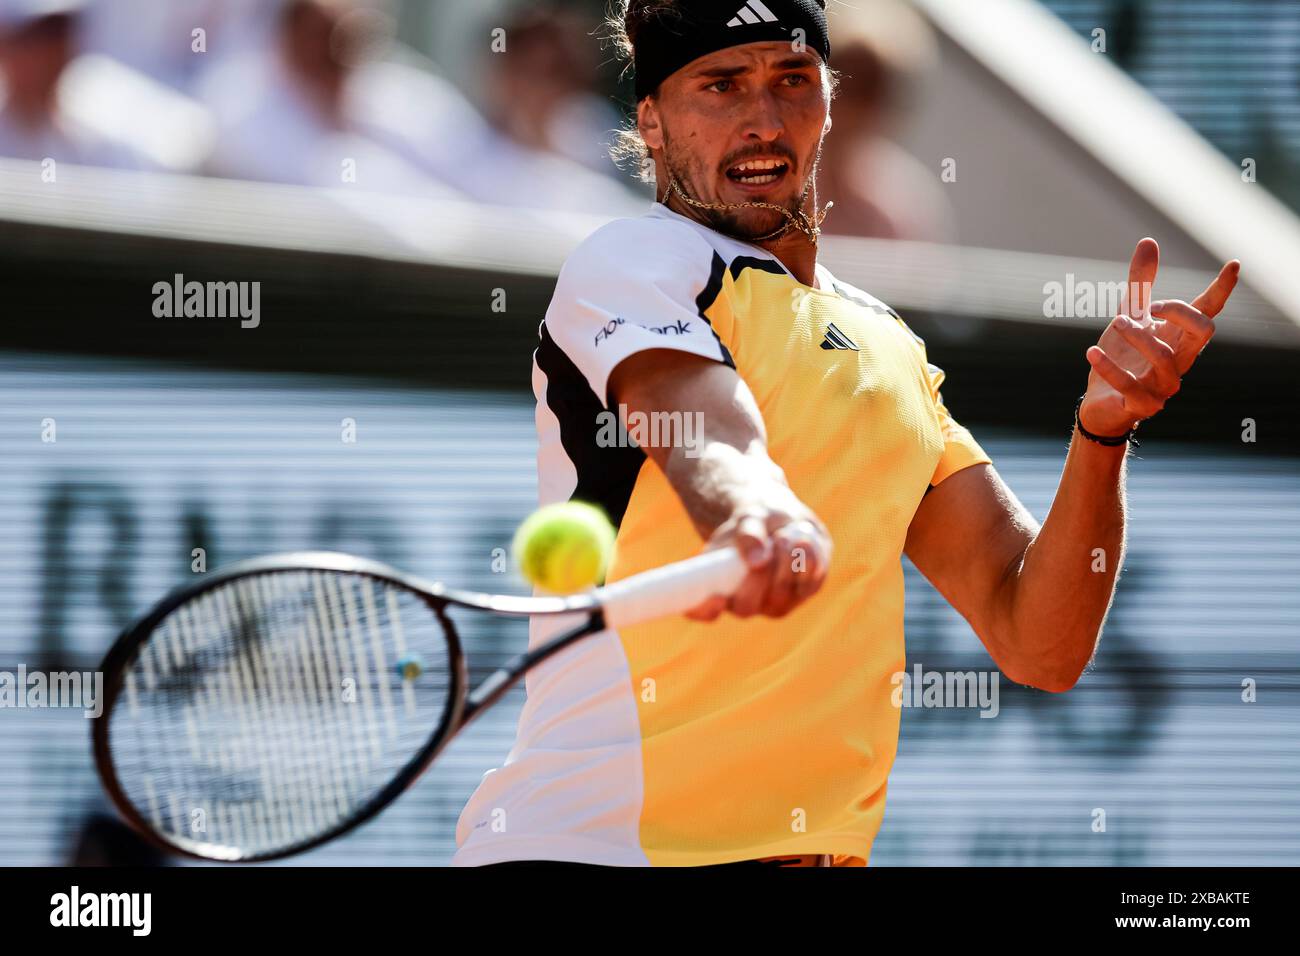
{"x": 460, "y": 708}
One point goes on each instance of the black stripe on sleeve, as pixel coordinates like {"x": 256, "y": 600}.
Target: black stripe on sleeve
{"x": 606, "y": 476}
{"x": 707, "y": 297}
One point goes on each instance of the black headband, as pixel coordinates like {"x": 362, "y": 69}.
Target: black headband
{"x": 666, "y": 44}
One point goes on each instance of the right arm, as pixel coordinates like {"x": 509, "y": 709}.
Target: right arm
{"x": 733, "y": 491}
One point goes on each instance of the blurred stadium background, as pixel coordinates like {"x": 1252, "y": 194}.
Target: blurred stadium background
{"x": 138, "y": 149}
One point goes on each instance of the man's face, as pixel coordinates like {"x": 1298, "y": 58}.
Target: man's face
{"x": 741, "y": 125}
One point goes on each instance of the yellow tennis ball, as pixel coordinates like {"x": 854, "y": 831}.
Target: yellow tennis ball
{"x": 565, "y": 547}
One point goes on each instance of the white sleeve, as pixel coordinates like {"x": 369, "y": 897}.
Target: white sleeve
{"x": 636, "y": 284}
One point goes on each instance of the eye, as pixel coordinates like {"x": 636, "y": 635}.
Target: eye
{"x": 714, "y": 86}
{"x": 795, "y": 79}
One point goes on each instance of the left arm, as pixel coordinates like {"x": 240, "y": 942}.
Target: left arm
{"x": 1038, "y": 596}
{"x": 1035, "y": 596}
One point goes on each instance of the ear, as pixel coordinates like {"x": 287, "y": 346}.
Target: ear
{"x": 827, "y": 128}
{"x": 647, "y": 120}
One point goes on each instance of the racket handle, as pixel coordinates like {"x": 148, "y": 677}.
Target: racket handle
{"x": 674, "y": 588}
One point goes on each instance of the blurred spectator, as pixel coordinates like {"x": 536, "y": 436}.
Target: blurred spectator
{"x": 294, "y": 91}
{"x": 879, "y": 188}
{"x": 283, "y": 112}
{"x": 544, "y": 149}
{"x": 539, "y": 91}
{"x": 37, "y": 44}
{"x": 157, "y": 37}
{"x": 323, "y": 95}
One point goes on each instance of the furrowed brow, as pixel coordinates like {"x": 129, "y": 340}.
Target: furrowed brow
{"x": 797, "y": 63}
{"x": 725, "y": 72}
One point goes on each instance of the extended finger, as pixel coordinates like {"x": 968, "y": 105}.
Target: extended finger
{"x": 1142, "y": 271}
{"x": 1215, "y": 297}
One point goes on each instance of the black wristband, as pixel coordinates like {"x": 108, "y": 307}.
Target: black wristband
{"x": 1110, "y": 441}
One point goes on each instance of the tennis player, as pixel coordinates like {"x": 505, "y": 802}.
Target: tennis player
{"x": 762, "y": 728}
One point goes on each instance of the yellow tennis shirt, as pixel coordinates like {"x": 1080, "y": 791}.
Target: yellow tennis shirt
{"x": 684, "y": 743}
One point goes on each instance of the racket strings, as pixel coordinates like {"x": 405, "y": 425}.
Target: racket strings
{"x": 273, "y": 708}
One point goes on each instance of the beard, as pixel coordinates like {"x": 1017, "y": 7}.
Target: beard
{"x": 746, "y": 221}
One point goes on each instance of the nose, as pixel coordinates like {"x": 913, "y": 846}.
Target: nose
{"x": 763, "y": 122}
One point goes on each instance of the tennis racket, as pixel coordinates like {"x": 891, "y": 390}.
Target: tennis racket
{"x": 287, "y": 699}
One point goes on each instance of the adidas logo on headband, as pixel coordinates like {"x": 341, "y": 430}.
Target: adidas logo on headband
{"x": 755, "y": 11}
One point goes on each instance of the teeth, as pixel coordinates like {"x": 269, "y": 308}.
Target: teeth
{"x": 760, "y": 164}
{"x": 759, "y": 172}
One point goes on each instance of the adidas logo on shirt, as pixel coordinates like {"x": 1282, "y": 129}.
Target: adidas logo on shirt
{"x": 835, "y": 339}
{"x": 755, "y": 11}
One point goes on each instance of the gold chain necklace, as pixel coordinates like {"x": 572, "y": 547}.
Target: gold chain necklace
{"x": 799, "y": 220}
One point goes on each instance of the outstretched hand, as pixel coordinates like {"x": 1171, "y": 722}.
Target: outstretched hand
{"x": 1139, "y": 362}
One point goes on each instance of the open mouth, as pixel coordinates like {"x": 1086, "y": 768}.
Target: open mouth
{"x": 759, "y": 172}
